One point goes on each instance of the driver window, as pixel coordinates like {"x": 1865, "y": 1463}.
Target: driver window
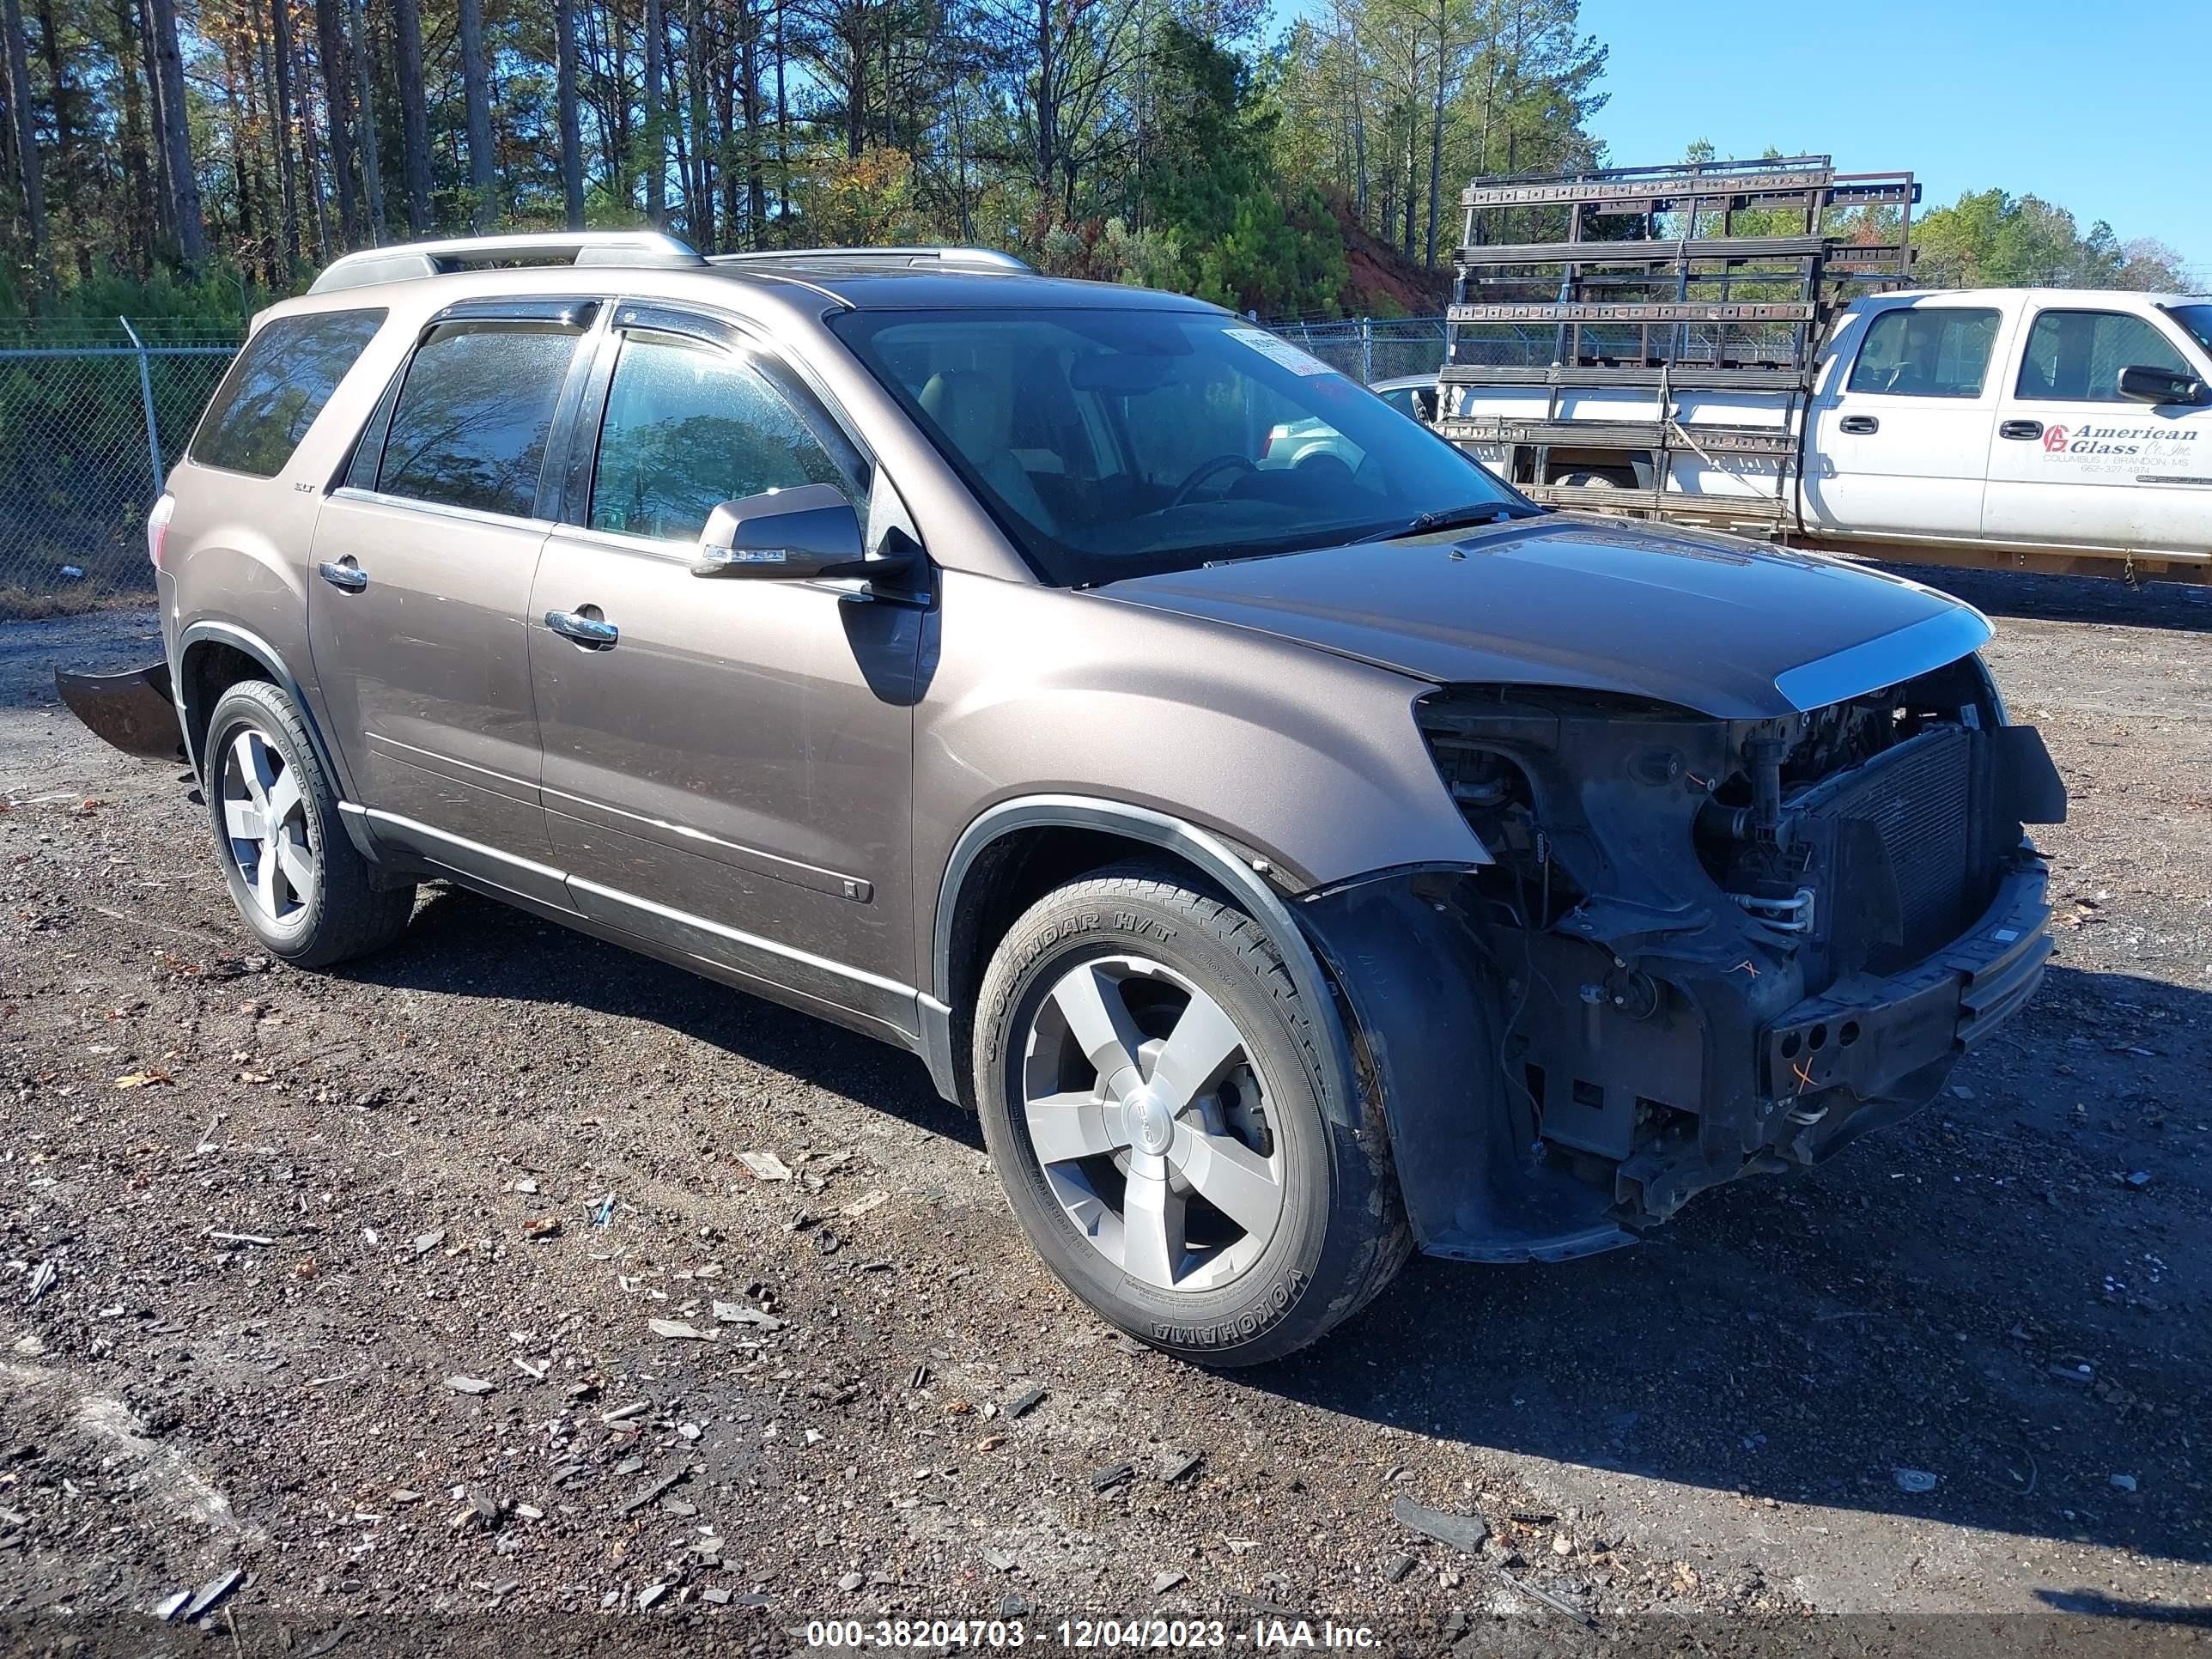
{"x": 1934, "y": 351}
{"x": 2077, "y": 356}
{"x": 687, "y": 428}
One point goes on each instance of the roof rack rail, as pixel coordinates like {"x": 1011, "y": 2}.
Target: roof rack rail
{"x": 990, "y": 258}
{"x": 409, "y": 261}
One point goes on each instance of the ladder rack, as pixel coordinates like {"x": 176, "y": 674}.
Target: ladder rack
{"x": 1667, "y": 297}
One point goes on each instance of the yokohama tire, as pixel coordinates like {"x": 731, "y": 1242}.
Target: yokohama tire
{"x": 298, "y": 880}
{"x": 1338, "y": 1234}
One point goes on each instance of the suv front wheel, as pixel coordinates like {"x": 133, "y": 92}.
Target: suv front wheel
{"x": 1151, "y": 1084}
{"x": 295, "y": 875}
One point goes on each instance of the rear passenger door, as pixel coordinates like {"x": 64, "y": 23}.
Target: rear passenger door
{"x": 2076, "y": 464}
{"x": 1901, "y": 426}
{"x": 726, "y": 762}
{"x": 424, "y": 559}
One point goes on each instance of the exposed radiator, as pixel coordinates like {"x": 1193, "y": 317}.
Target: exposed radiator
{"x": 1920, "y": 797}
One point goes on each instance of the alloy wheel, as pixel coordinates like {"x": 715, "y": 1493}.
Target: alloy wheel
{"x": 264, "y": 817}
{"x": 1149, "y": 1118}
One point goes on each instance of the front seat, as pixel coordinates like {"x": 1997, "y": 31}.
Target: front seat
{"x": 975, "y": 412}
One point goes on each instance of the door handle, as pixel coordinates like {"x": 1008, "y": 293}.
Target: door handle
{"x": 344, "y": 574}
{"x": 2019, "y": 428}
{"x": 593, "y": 633}
{"x": 1859, "y": 425}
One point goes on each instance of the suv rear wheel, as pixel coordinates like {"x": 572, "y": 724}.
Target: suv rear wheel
{"x": 1151, "y": 1084}
{"x": 294, "y": 874}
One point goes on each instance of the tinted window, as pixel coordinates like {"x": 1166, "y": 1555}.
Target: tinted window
{"x": 277, "y": 387}
{"x": 470, "y": 424}
{"x": 2197, "y": 319}
{"x": 687, "y": 429}
{"x": 1111, "y": 442}
{"x": 2077, "y": 356}
{"x": 1927, "y": 351}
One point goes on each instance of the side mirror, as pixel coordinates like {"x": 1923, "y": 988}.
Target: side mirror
{"x": 2159, "y": 385}
{"x": 785, "y": 535}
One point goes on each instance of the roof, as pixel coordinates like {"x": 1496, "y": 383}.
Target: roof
{"x": 2044, "y": 295}
{"x": 874, "y": 288}
{"x": 948, "y": 278}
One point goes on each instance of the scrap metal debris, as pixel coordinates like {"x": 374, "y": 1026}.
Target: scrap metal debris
{"x": 1462, "y": 1532}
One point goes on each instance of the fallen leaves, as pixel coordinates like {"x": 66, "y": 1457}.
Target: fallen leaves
{"x": 142, "y": 1079}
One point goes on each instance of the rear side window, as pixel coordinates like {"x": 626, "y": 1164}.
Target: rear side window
{"x": 277, "y": 387}
{"x": 471, "y": 425}
{"x": 1932, "y": 351}
{"x": 2077, "y": 356}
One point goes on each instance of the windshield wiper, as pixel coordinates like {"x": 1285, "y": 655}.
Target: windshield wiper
{"x": 1454, "y": 517}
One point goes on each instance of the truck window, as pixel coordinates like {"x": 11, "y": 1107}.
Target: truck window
{"x": 471, "y": 425}
{"x": 1930, "y": 351}
{"x": 2196, "y": 318}
{"x": 277, "y": 387}
{"x": 2077, "y": 356}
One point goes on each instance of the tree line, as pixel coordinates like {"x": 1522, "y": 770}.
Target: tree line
{"x": 173, "y": 157}
{"x": 230, "y": 143}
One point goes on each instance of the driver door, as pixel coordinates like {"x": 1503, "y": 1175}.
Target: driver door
{"x": 727, "y": 764}
{"x": 2075, "y": 462}
{"x": 1901, "y": 429}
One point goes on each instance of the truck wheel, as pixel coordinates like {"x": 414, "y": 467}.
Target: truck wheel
{"x": 1150, "y": 1084}
{"x": 295, "y": 875}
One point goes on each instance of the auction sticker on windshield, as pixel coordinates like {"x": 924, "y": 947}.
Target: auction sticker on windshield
{"x": 1281, "y": 351}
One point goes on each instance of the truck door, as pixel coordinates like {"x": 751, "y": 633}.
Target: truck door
{"x": 1901, "y": 428}
{"x": 2076, "y": 464}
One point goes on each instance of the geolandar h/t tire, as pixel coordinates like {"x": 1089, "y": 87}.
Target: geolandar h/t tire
{"x": 294, "y": 874}
{"x": 1150, "y": 1087}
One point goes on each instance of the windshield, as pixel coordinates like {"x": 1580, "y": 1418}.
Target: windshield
{"x": 2197, "y": 320}
{"x": 1115, "y": 443}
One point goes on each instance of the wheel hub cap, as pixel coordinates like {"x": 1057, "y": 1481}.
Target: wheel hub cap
{"x": 1128, "y": 1076}
{"x": 1150, "y": 1121}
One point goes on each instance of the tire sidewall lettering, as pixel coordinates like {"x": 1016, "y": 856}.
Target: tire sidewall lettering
{"x": 1235, "y": 1329}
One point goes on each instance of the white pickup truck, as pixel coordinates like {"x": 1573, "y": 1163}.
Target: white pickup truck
{"x": 2045, "y": 429}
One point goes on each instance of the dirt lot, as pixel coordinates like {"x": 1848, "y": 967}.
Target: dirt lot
{"x": 281, "y": 1307}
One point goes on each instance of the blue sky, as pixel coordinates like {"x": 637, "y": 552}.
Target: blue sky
{"x": 2098, "y": 108}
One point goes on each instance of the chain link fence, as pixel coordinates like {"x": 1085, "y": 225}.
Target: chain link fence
{"x": 1371, "y": 349}
{"x": 91, "y": 419}
{"x": 93, "y": 416}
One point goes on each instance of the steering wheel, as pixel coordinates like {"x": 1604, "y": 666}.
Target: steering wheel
{"x": 1206, "y": 470}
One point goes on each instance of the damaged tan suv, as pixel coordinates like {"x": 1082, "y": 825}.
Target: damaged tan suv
{"x": 1298, "y": 846}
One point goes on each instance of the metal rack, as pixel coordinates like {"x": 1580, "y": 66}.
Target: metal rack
{"x": 1700, "y": 310}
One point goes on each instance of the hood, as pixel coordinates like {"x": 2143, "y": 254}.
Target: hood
{"x": 1730, "y": 628}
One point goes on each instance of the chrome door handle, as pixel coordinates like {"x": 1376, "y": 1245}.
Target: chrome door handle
{"x": 1860, "y": 425}
{"x": 594, "y": 633}
{"x": 2019, "y": 428}
{"x": 344, "y": 574}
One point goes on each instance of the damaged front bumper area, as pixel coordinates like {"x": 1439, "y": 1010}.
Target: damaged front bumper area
{"x": 1704, "y": 949}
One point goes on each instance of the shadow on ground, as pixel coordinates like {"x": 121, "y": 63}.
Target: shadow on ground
{"x": 2109, "y": 599}
{"x": 1924, "y": 1302}
{"x": 460, "y": 944}
{"x": 1927, "y": 1301}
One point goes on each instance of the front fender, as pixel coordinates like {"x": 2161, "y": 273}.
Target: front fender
{"x": 1425, "y": 1004}
{"x": 1308, "y": 762}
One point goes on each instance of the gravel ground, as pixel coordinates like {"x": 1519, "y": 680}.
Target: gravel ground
{"x": 341, "y": 1294}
